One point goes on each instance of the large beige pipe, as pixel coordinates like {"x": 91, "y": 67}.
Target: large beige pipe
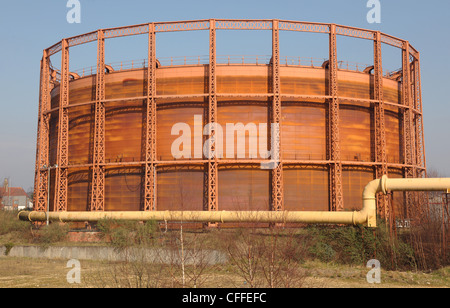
{"x": 198, "y": 216}
{"x": 385, "y": 185}
{"x": 365, "y": 217}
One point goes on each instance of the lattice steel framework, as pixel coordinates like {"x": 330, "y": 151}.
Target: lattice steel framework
{"x": 41, "y": 201}
{"x": 408, "y": 111}
{"x": 98, "y": 168}
{"x": 63, "y": 132}
{"x": 420, "y": 143}
{"x": 277, "y": 172}
{"x": 336, "y": 192}
{"x": 411, "y": 109}
{"x": 408, "y": 118}
{"x": 150, "y": 141}
{"x": 212, "y": 118}
{"x": 383, "y": 201}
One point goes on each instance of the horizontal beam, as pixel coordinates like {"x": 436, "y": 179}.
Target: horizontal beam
{"x": 230, "y": 24}
{"x": 237, "y": 162}
{"x": 255, "y": 96}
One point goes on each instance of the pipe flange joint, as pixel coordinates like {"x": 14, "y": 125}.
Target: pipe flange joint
{"x": 383, "y": 183}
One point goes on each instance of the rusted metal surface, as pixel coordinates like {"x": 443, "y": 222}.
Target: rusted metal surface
{"x": 277, "y": 202}
{"x": 150, "y": 126}
{"x": 334, "y": 142}
{"x": 63, "y": 132}
{"x": 341, "y": 126}
{"x": 42, "y": 176}
{"x": 213, "y": 178}
{"x": 98, "y": 171}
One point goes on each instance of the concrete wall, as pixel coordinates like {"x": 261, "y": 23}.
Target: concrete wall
{"x": 153, "y": 255}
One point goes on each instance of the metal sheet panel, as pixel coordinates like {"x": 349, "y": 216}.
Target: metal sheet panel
{"x": 244, "y": 190}
{"x": 124, "y": 133}
{"x": 78, "y": 190}
{"x": 180, "y": 190}
{"x": 80, "y": 137}
{"x": 393, "y": 137}
{"x": 356, "y": 133}
{"x": 304, "y": 131}
{"x": 354, "y": 180}
{"x": 306, "y": 189}
{"x": 245, "y": 119}
{"x": 123, "y": 189}
{"x": 167, "y": 118}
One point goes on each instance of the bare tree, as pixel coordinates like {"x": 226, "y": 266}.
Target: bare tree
{"x": 188, "y": 264}
{"x": 245, "y": 253}
{"x": 283, "y": 255}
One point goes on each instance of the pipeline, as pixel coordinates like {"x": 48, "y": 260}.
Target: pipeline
{"x": 365, "y": 217}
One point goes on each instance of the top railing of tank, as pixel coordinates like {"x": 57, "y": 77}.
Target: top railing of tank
{"x": 223, "y": 60}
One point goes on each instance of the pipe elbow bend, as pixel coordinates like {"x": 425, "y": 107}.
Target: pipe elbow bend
{"x": 374, "y": 187}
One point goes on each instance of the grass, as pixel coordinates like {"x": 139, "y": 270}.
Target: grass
{"x": 40, "y": 273}
{"x": 334, "y": 275}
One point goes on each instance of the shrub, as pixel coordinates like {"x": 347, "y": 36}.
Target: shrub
{"x": 357, "y": 245}
{"x": 266, "y": 258}
{"x": 323, "y": 252}
{"x": 53, "y": 233}
{"x": 9, "y": 223}
{"x": 8, "y": 247}
{"x": 124, "y": 234}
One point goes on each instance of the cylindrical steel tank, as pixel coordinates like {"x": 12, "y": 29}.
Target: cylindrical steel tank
{"x": 183, "y": 89}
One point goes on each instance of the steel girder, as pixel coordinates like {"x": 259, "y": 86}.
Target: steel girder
{"x": 150, "y": 136}
{"x": 98, "y": 171}
{"x": 41, "y": 199}
{"x": 63, "y": 133}
{"x": 336, "y": 191}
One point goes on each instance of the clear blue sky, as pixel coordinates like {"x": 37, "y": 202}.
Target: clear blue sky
{"x": 27, "y": 27}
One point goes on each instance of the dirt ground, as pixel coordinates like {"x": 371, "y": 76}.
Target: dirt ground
{"x": 43, "y": 273}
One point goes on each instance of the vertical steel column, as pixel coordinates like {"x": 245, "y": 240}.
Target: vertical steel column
{"x": 212, "y": 118}
{"x": 336, "y": 193}
{"x": 277, "y": 172}
{"x": 380, "y": 126}
{"x": 420, "y": 146}
{"x": 408, "y": 113}
{"x": 408, "y": 130}
{"x": 36, "y": 165}
{"x": 419, "y": 135}
{"x": 150, "y": 136}
{"x": 98, "y": 171}
{"x": 63, "y": 132}
{"x": 43, "y": 136}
